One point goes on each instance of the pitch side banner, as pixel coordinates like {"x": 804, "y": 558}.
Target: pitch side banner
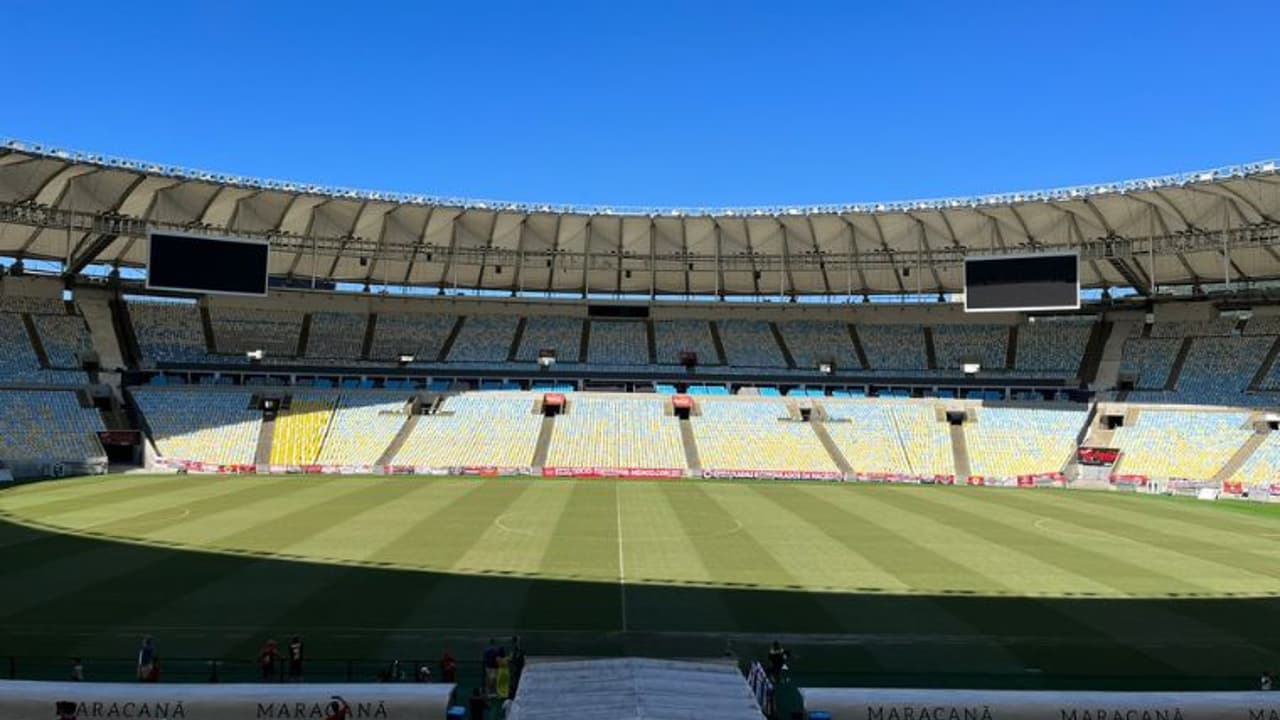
{"x": 889, "y": 704}
{"x": 28, "y": 700}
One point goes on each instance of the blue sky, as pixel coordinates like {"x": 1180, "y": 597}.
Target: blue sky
{"x": 653, "y": 103}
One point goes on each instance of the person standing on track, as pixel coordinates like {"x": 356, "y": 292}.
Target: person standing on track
{"x": 146, "y": 658}
{"x": 490, "y": 661}
{"x": 295, "y": 659}
{"x": 267, "y": 659}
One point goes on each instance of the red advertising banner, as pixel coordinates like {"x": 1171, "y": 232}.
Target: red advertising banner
{"x": 771, "y": 474}
{"x": 1232, "y": 487}
{"x": 1138, "y": 480}
{"x": 608, "y": 472}
{"x": 553, "y": 399}
{"x": 975, "y": 480}
{"x": 1098, "y": 456}
{"x": 681, "y": 401}
{"x": 1274, "y": 490}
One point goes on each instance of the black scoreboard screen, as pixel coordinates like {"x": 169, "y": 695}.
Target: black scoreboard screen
{"x": 1022, "y": 282}
{"x": 203, "y": 264}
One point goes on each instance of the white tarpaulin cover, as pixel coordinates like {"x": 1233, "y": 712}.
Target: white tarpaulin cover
{"x": 894, "y": 704}
{"x": 29, "y": 700}
{"x": 633, "y": 688}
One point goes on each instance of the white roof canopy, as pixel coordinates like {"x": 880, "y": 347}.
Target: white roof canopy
{"x": 632, "y": 689}
{"x": 1186, "y": 228}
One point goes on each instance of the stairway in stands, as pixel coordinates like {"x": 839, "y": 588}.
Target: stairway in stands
{"x": 544, "y": 441}
{"x": 1171, "y": 383}
{"x": 690, "y": 443}
{"x": 402, "y": 435}
{"x": 960, "y": 449}
{"x": 262, "y": 456}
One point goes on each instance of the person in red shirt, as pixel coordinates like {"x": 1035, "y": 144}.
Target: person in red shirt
{"x": 267, "y": 658}
{"x": 448, "y": 668}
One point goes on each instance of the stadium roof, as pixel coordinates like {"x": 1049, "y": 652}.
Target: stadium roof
{"x": 1197, "y": 227}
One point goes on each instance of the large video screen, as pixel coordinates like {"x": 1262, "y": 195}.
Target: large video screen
{"x": 1022, "y": 282}
{"x": 194, "y": 263}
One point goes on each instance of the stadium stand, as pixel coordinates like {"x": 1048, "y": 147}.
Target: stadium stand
{"x": 336, "y": 335}
{"x": 475, "y": 430}
{"x": 238, "y": 330}
{"x": 1262, "y": 468}
{"x": 894, "y": 347}
{"x": 1149, "y": 360}
{"x": 484, "y": 338}
{"x": 224, "y": 430}
{"x": 1263, "y": 325}
{"x": 621, "y": 432}
{"x": 750, "y": 343}
{"x": 617, "y": 342}
{"x": 926, "y": 439}
{"x": 953, "y": 344}
{"x": 419, "y": 335}
{"x": 1053, "y": 345}
{"x": 364, "y": 425}
{"x": 47, "y": 427}
{"x": 866, "y": 434}
{"x": 756, "y": 435}
{"x": 32, "y": 305}
{"x": 673, "y": 337}
{"x": 1213, "y": 328}
{"x": 1180, "y": 443}
{"x": 65, "y": 339}
{"x": 1006, "y": 442}
{"x": 1218, "y": 369}
{"x": 168, "y": 331}
{"x": 541, "y": 332}
{"x": 815, "y": 341}
{"x": 300, "y": 429}
{"x": 19, "y": 362}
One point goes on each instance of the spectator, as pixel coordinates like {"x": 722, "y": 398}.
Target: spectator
{"x": 1266, "y": 682}
{"x": 295, "y": 659}
{"x": 777, "y": 660}
{"x": 267, "y": 658}
{"x": 424, "y": 673}
{"x": 503, "y": 683}
{"x": 490, "y": 662}
{"x": 146, "y": 658}
{"x": 517, "y": 663}
{"x": 154, "y": 675}
{"x": 448, "y": 668}
{"x": 338, "y": 709}
{"x": 477, "y": 704}
{"x": 77, "y": 670}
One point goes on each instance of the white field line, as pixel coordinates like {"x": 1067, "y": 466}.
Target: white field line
{"x": 622, "y": 567}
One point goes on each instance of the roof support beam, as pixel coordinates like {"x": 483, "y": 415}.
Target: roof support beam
{"x": 855, "y": 259}
{"x": 449, "y": 254}
{"x": 484, "y": 252}
{"x": 417, "y": 246}
{"x": 586, "y": 259}
{"x": 751, "y": 253}
{"x": 820, "y": 253}
{"x": 517, "y": 276}
{"x": 653, "y": 258}
{"x": 786, "y": 263}
{"x": 347, "y": 237}
{"x": 893, "y": 266}
{"x": 555, "y": 254}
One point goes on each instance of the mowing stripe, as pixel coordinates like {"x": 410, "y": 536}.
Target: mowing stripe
{"x": 622, "y": 563}
{"x": 33, "y": 504}
{"x": 1214, "y": 571}
{"x": 741, "y": 565}
{"x": 812, "y": 557}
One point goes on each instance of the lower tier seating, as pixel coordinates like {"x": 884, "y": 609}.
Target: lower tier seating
{"x": 475, "y": 429}
{"x": 218, "y": 428}
{"x": 624, "y": 432}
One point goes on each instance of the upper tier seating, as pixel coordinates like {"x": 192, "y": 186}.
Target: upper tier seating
{"x": 65, "y": 339}
{"x": 626, "y": 432}
{"x": 32, "y": 305}
{"x": 953, "y": 344}
{"x": 475, "y": 430}
{"x": 672, "y": 337}
{"x": 484, "y": 338}
{"x": 1053, "y": 345}
{"x": 1219, "y": 368}
{"x": 1216, "y": 327}
{"x": 238, "y": 330}
{"x": 816, "y": 341}
{"x": 1180, "y": 444}
{"x": 336, "y": 335}
{"x": 363, "y": 427}
{"x": 1263, "y": 325}
{"x": 618, "y": 342}
{"x": 218, "y": 428}
{"x": 869, "y": 439}
{"x": 47, "y": 426}
{"x": 894, "y": 347}
{"x": 752, "y": 435}
{"x": 1006, "y": 442}
{"x": 750, "y": 343}
{"x": 300, "y": 429}
{"x": 168, "y": 331}
{"x": 1150, "y": 360}
{"x": 542, "y": 332}
{"x": 419, "y": 335}
{"x": 19, "y": 362}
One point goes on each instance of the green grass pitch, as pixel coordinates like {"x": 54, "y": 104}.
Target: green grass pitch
{"x": 867, "y": 584}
